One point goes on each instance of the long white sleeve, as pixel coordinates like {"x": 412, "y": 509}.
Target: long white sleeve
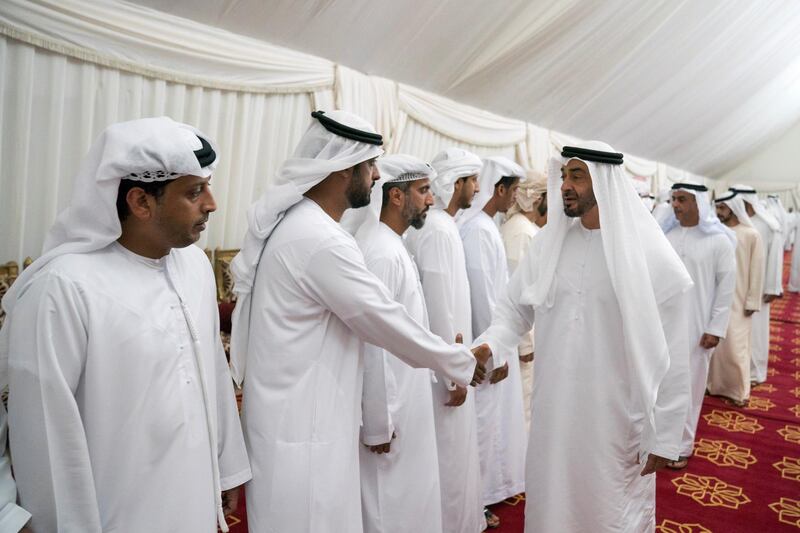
{"x": 51, "y": 457}
{"x": 755, "y": 283}
{"x": 673, "y": 393}
{"x": 773, "y": 277}
{"x": 380, "y": 386}
{"x": 340, "y": 281}
{"x": 724, "y": 289}
{"x": 234, "y": 466}
{"x": 12, "y": 516}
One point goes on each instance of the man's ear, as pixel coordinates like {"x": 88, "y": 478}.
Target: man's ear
{"x": 396, "y": 196}
{"x": 140, "y": 203}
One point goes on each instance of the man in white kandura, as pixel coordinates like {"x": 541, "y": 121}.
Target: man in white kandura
{"x": 729, "y": 372}
{"x": 122, "y": 415}
{"x": 439, "y": 256}
{"x": 525, "y": 218}
{"x": 775, "y": 207}
{"x": 772, "y": 238}
{"x": 12, "y": 517}
{"x": 306, "y": 305}
{"x": 612, "y": 384}
{"x": 707, "y": 248}
{"x": 498, "y": 401}
{"x": 794, "y": 240}
{"x": 399, "y": 467}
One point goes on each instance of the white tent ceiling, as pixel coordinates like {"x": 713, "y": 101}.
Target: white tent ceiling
{"x": 699, "y": 85}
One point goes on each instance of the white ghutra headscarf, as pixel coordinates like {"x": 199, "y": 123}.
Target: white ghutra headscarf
{"x": 645, "y": 270}
{"x": 319, "y": 153}
{"x": 749, "y": 195}
{"x": 451, "y": 165}
{"x": 709, "y": 223}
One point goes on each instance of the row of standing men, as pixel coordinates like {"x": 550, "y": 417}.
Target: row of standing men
{"x": 121, "y": 408}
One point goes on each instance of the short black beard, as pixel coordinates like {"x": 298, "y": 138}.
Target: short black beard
{"x": 584, "y": 205}
{"x": 358, "y": 195}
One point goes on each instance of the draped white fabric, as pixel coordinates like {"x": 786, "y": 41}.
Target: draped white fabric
{"x": 68, "y": 68}
{"x": 46, "y": 133}
{"x": 698, "y": 84}
{"x": 145, "y": 41}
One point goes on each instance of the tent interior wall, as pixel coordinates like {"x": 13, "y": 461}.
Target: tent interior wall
{"x": 72, "y": 67}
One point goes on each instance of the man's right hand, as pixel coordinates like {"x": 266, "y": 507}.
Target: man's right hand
{"x": 749, "y": 312}
{"x": 708, "y": 341}
{"x": 457, "y": 396}
{"x": 482, "y": 354}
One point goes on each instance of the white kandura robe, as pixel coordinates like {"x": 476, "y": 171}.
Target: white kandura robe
{"x": 791, "y": 231}
{"x": 729, "y": 372}
{"x": 582, "y": 469}
{"x": 314, "y": 305}
{"x": 439, "y": 255}
{"x": 517, "y": 233}
{"x": 711, "y": 262}
{"x": 499, "y": 409}
{"x": 773, "y": 284}
{"x": 12, "y": 516}
{"x": 399, "y": 489}
{"x": 106, "y": 408}
{"x": 794, "y": 273}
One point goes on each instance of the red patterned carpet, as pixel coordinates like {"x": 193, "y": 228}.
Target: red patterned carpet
{"x": 745, "y": 473}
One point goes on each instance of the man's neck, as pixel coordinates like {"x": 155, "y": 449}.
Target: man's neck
{"x": 536, "y": 218}
{"x": 334, "y": 206}
{"x": 394, "y": 221}
{"x": 491, "y": 208}
{"x": 452, "y": 209}
{"x": 142, "y": 247}
{"x": 591, "y": 219}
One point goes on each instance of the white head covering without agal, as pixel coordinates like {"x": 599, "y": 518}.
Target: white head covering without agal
{"x": 319, "y": 153}
{"x": 394, "y": 168}
{"x": 775, "y": 207}
{"x": 450, "y": 166}
{"x": 530, "y": 190}
{"x": 644, "y": 268}
{"x": 749, "y": 195}
{"x": 494, "y": 169}
{"x": 709, "y": 223}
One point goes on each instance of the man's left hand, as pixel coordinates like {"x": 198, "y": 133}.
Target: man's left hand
{"x": 769, "y": 298}
{"x": 499, "y": 374}
{"x": 654, "y": 463}
{"x": 708, "y": 341}
{"x": 230, "y": 500}
{"x": 527, "y": 358}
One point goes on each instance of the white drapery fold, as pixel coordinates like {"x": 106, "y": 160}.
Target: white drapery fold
{"x": 46, "y": 133}
{"x": 69, "y": 68}
{"x": 151, "y": 43}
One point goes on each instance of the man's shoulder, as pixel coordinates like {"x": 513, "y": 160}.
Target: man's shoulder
{"x": 305, "y": 231}
{"x": 78, "y": 266}
{"x": 748, "y": 232}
